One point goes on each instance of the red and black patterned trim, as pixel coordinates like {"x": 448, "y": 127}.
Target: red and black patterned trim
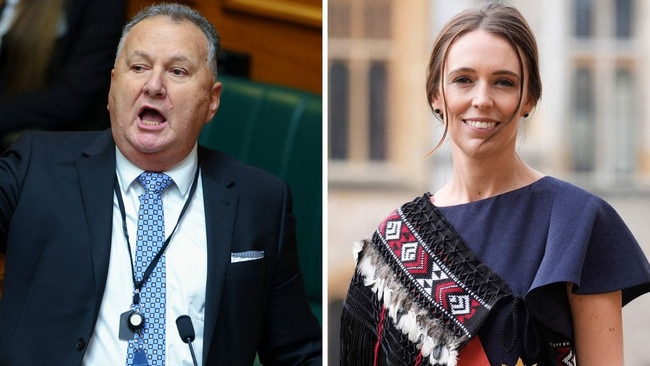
{"x": 434, "y": 264}
{"x": 436, "y": 292}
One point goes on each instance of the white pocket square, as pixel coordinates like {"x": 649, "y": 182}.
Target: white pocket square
{"x": 251, "y": 255}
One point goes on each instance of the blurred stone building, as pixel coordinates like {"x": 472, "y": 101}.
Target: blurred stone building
{"x": 590, "y": 127}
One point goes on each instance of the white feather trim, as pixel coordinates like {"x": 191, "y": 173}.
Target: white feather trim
{"x": 429, "y": 335}
{"x": 357, "y": 247}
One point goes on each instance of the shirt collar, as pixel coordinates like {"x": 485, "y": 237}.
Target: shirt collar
{"x": 182, "y": 173}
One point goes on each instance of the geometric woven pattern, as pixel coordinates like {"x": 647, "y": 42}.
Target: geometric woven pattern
{"x": 150, "y": 238}
{"x": 565, "y": 355}
{"x": 429, "y": 274}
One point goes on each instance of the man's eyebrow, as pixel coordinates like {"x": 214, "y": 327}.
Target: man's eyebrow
{"x": 145, "y": 55}
{"x": 140, "y": 53}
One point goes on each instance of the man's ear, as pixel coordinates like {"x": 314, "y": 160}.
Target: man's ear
{"x": 215, "y": 98}
{"x": 110, "y": 91}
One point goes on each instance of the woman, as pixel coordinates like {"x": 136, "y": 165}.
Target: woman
{"x": 502, "y": 265}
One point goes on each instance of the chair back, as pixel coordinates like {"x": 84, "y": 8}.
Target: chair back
{"x": 278, "y": 129}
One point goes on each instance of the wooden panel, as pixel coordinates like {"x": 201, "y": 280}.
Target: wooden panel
{"x": 282, "y": 37}
{"x": 306, "y": 12}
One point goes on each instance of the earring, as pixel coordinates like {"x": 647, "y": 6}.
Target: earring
{"x": 525, "y": 115}
{"x": 437, "y": 111}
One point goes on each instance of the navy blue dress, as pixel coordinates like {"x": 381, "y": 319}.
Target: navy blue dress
{"x": 537, "y": 239}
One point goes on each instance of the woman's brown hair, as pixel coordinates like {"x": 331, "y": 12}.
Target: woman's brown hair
{"x": 501, "y": 20}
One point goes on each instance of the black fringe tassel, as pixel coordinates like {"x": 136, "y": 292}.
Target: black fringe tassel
{"x": 357, "y": 341}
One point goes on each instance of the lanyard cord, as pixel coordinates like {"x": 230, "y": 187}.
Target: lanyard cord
{"x": 137, "y": 285}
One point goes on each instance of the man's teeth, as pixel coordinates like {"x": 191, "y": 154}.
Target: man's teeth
{"x": 481, "y": 125}
{"x": 150, "y": 123}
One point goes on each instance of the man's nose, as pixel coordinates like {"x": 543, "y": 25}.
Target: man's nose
{"x": 155, "y": 85}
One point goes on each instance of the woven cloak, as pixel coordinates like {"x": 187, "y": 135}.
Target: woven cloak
{"x": 428, "y": 293}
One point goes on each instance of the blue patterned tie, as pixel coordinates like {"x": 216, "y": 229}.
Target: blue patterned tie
{"x": 149, "y": 347}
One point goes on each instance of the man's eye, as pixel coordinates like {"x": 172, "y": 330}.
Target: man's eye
{"x": 178, "y": 72}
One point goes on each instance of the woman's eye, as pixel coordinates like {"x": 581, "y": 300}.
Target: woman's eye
{"x": 462, "y": 80}
{"x": 505, "y": 82}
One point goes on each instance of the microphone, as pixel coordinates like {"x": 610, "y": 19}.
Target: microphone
{"x": 186, "y": 331}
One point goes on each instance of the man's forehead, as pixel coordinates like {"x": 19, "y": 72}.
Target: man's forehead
{"x": 161, "y": 31}
{"x": 162, "y": 25}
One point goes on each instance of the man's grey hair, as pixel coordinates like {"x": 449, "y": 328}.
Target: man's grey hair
{"x": 178, "y": 13}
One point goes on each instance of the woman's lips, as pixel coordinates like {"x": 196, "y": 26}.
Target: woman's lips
{"x": 481, "y": 125}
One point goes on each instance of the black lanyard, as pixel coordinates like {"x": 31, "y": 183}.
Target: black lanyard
{"x": 137, "y": 285}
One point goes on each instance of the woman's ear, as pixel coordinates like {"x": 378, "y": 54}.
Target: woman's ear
{"x": 527, "y": 108}
{"x": 436, "y": 106}
{"x": 434, "y": 102}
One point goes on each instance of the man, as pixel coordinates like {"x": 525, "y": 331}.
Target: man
{"x": 80, "y": 285}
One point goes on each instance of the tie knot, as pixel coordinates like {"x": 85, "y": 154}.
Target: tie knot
{"x": 155, "y": 182}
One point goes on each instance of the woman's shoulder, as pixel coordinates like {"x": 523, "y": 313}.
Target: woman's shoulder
{"x": 567, "y": 197}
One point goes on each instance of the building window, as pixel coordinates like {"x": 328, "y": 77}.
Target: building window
{"x": 623, "y": 19}
{"x": 605, "y": 139}
{"x": 339, "y": 25}
{"x": 377, "y": 19}
{"x": 583, "y": 10}
{"x": 360, "y": 49}
{"x": 377, "y": 93}
{"x": 339, "y": 96}
{"x": 583, "y": 126}
{"x": 625, "y": 124}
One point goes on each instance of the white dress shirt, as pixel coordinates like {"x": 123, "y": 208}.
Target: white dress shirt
{"x": 186, "y": 264}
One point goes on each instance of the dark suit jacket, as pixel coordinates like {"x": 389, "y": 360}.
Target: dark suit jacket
{"x": 56, "y": 207}
{"x": 80, "y": 67}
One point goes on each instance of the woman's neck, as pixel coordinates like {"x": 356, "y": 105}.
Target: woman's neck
{"x": 475, "y": 179}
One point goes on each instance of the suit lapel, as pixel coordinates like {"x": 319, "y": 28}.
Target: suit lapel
{"x": 220, "y": 207}
{"x": 97, "y": 178}
{"x": 96, "y": 171}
